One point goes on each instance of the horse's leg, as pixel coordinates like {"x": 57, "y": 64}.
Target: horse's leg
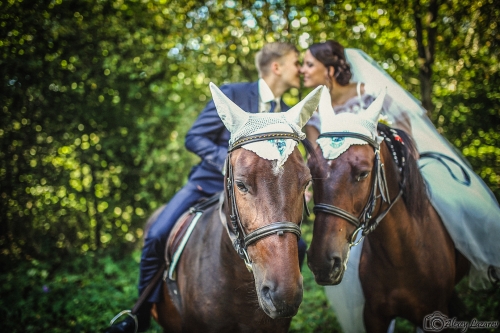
{"x": 375, "y": 322}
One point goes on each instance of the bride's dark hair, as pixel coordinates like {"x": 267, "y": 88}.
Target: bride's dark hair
{"x": 331, "y": 54}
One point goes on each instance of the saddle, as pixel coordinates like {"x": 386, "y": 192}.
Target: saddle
{"x": 177, "y": 241}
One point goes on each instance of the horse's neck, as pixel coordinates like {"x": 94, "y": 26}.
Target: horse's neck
{"x": 398, "y": 229}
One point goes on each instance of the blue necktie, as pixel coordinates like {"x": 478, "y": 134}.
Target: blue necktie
{"x": 273, "y": 106}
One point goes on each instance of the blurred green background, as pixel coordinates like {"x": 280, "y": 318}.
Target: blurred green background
{"x": 96, "y": 97}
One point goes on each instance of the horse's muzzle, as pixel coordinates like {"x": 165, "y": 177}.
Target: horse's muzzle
{"x": 330, "y": 272}
{"x": 280, "y": 302}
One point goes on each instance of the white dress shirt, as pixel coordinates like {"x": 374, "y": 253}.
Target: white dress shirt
{"x": 266, "y": 96}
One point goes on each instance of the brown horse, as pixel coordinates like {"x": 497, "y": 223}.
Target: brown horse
{"x": 408, "y": 266}
{"x": 219, "y": 291}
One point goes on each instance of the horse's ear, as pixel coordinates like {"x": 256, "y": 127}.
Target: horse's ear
{"x": 301, "y": 112}
{"x": 231, "y": 114}
{"x": 373, "y": 111}
{"x": 325, "y": 109}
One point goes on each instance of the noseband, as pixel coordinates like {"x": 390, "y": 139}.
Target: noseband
{"x": 241, "y": 240}
{"x": 365, "y": 223}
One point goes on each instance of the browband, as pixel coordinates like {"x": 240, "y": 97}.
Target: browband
{"x": 262, "y": 137}
{"x": 366, "y": 138}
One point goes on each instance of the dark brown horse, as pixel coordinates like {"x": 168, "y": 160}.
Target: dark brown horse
{"x": 259, "y": 221}
{"x": 408, "y": 266}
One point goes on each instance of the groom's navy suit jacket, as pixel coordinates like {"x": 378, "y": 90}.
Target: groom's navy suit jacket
{"x": 209, "y": 138}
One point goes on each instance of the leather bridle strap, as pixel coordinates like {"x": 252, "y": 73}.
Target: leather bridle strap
{"x": 273, "y": 228}
{"x": 262, "y": 137}
{"x": 329, "y": 209}
{"x": 381, "y": 216}
{"x": 366, "y": 138}
{"x": 362, "y": 225}
{"x": 240, "y": 239}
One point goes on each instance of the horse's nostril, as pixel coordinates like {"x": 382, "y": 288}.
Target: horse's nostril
{"x": 265, "y": 291}
{"x": 268, "y": 301}
{"x": 337, "y": 264}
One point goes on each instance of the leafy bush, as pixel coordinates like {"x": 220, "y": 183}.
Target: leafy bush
{"x": 78, "y": 294}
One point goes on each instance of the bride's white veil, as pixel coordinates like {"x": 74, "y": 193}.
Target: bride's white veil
{"x": 403, "y": 110}
{"x": 365, "y": 69}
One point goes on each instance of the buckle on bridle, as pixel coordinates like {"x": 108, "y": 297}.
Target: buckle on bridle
{"x": 355, "y": 235}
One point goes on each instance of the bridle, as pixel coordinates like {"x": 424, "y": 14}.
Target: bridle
{"x": 365, "y": 223}
{"x": 240, "y": 239}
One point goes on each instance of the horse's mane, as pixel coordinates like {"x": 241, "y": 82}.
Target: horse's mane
{"x": 414, "y": 191}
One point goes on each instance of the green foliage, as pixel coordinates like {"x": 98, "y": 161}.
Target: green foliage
{"x": 98, "y": 97}
{"x": 85, "y": 117}
{"x": 73, "y": 295}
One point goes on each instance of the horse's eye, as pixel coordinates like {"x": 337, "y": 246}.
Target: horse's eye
{"x": 362, "y": 176}
{"x": 241, "y": 186}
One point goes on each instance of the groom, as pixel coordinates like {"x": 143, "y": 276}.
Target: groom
{"x": 278, "y": 66}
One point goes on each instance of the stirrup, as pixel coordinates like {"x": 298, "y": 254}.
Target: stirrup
{"x": 493, "y": 276}
{"x": 129, "y": 313}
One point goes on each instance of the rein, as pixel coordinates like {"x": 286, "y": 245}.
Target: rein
{"x": 365, "y": 223}
{"x": 241, "y": 240}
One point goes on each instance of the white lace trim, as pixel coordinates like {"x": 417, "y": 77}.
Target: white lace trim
{"x": 266, "y": 122}
{"x": 334, "y": 147}
{"x": 274, "y": 149}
